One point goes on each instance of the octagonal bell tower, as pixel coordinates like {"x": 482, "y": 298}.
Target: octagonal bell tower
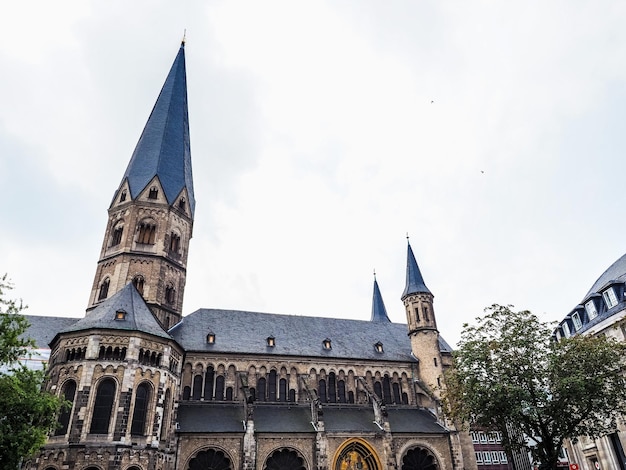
{"x": 151, "y": 216}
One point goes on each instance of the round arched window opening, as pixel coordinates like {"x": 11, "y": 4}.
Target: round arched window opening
{"x": 211, "y": 459}
{"x": 419, "y": 458}
{"x": 284, "y": 459}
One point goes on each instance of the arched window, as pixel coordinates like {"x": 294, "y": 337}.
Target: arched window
{"x": 284, "y": 459}
{"x": 104, "y": 289}
{"x": 170, "y": 294}
{"x": 272, "y": 386}
{"x": 229, "y": 393}
{"x": 69, "y": 391}
{"x": 419, "y": 459}
{"x": 211, "y": 459}
{"x": 378, "y": 390}
{"x": 332, "y": 388}
{"x": 292, "y": 395}
{"x": 386, "y": 389}
{"x": 260, "y": 389}
{"x": 142, "y": 396}
{"x": 186, "y": 392}
{"x": 146, "y": 232}
{"x": 181, "y": 204}
{"x": 166, "y": 415}
{"x": 396, "y": 393}
{"x": 208, "y": 383}
{"x": 138, "y": 282}
{"x": 174, "y": 247}
{"x": 219, "y": 388}
{"x": 103, "y": 407}
{"x": 405, "y": 398}
{"x": 350, "y": 396}
{"x": 118, "y": 231}
{"x": 322, "y": 390}
{"x": 356, "y": 455}
{"x": 197, "y": 387}
{"x": 341, "y": 391}
{"x": 154, "y": 193}
{"x": 282, "y": 392}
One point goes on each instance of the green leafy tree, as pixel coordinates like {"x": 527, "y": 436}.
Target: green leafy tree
{"x": 27, "y": 412}
{"x": 510, "y": 375}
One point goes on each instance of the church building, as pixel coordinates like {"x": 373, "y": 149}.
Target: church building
{"x": 151, "y": 389}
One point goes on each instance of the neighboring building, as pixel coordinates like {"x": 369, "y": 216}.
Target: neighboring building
{"x": 601, "y": 311}
{"x": 224, "y": 389}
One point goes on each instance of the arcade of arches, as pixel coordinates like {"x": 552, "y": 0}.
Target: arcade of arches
{"x": 355, "y": 455}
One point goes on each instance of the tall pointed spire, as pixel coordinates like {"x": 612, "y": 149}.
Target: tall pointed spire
{"x": 379, "y": 312}
{"x": 163, "y": 149}
{"x": 146, "y": 241}
{"x": 414, "y": 280}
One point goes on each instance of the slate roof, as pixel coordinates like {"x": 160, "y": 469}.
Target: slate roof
{"x": 43, "y": 329}
{"x": 196, "y": 416}
{"x": 379, "y": 312}
{"x": 413, "y": 420}
{"x": 414, "y": 280}
{"x": 163, "y": 149}
{"x": 615, "y": 272}
{"x": 138, "y": 315}
{"x": 212, "y": 417}
{"x": 244, "y": 332}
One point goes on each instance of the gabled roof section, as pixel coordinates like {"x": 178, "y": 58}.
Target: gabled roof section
{"x": 163, "y": 149}
{"x": 414, "y": 280}
{"x": 379, "y": 312}
{"x": 137, "y": 317}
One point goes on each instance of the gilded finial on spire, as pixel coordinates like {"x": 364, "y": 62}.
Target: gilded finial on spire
{"x": 374, "y": 273}
{"x": 182, "y": 43}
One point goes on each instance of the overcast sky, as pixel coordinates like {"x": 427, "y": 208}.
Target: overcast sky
{"x": 493, "y": 133}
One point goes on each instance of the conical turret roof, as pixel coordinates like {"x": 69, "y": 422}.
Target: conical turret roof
{"x": 136, "y": 315}
{"x": 163, "y": 149}
{"x": 414, "y": 280}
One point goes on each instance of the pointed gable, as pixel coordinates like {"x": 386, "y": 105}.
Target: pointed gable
{"x": 163, "y": 149}
{"x": 379, "y": 312}
{"x": 136, "y": 315}
{"x": 414, "y": 280}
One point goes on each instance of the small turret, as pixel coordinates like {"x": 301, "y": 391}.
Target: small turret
{"x": 422, "y": 325}
{"x": 379, "y": 312}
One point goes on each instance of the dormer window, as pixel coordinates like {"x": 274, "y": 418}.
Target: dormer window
{"x": 326, "y": 344}
{"x": 378, "y": 347}
{"x": 120, "y": 315}
{"x": 123, "y": 196}
{"x": 154, "y": 193}
{"x": 592, "y": 312}
{"x": 271, "y": 342}
{"x": 210, "y": 338}
{"x": 576, "y": 320}
{"x": 566, "y": 331}
{"x": 609, "y": 297}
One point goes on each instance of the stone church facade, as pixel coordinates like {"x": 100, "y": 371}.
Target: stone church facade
{"x": 222, "y": 389}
